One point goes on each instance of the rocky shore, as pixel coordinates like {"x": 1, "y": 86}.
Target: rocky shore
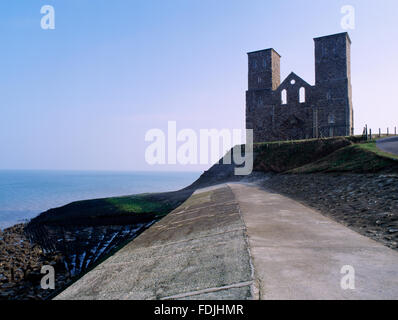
{"x": 71, "y": 250}
{"x": 20, "y": 266}
{"x": 366, "y": 203}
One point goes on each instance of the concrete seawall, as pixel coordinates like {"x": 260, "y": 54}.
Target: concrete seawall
{"x": 198, "y": 251}
{"x": 239, "y": 241}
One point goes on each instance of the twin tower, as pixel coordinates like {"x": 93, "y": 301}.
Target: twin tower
{"x": 295, "y": 109}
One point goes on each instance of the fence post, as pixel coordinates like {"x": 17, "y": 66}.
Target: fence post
{"x": 379, "y": 132}
{"x": 370, "y": 134}
{"x": 395, "y": 131}
{"x": 387, "y": 132}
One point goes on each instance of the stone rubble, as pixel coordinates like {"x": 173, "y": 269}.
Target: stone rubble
{"x": 71, "y": 250}
{"x": 20, "y": 266}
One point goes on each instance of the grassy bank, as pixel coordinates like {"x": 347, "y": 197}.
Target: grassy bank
{"x": 283, "y": 156}
{"x": 371, "y": 146}
{"x": 356, "y": 158}
{"x": 114, "y": 211}
{"x": 341, "y": 154}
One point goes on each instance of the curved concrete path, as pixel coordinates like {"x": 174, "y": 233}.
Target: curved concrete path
{"x": 298, "y": 253}
{"x": 388, "y": 144}
{"x": 238, "y": 241}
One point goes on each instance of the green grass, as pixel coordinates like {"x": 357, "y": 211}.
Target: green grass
{"x": 287, "y": 155}
{"x": 123, "y": 210}
{"x": 139, "y": 204}
{"x": 372, "y": 147}
{"x": 340, "y": 154}
{"x": 356, "y": 158}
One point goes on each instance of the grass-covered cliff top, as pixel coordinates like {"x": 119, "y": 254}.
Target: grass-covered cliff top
{"x": 340, "y": 154}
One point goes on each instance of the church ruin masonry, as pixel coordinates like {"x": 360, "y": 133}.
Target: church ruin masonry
{"x": 295, "y": 109}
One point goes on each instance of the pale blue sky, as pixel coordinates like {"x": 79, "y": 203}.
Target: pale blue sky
{"x": 83, "y": 95}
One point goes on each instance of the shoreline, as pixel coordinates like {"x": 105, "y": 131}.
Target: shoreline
{"x": 28, "y": 193}
{"x": 73, "y": 246}
{"x": 81, "y": 217}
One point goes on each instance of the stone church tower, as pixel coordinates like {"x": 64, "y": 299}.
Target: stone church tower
{"x": 295, "y": 109}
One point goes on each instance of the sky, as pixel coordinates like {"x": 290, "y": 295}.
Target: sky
{"x": 83, "y": 95}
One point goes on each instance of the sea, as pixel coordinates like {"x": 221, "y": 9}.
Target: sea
{"x": 26, "y": 193}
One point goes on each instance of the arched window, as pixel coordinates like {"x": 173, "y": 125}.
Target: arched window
{"x": 284, "y": 96}
{"x": 302, "y": 95}
{"x": 265, "y": 63}
{"x": 331, "y": 119}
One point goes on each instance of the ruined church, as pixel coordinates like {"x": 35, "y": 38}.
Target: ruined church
{"x": 294, "y": 109}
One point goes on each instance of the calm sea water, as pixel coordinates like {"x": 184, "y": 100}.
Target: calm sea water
{"x": 24, "y": 194}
